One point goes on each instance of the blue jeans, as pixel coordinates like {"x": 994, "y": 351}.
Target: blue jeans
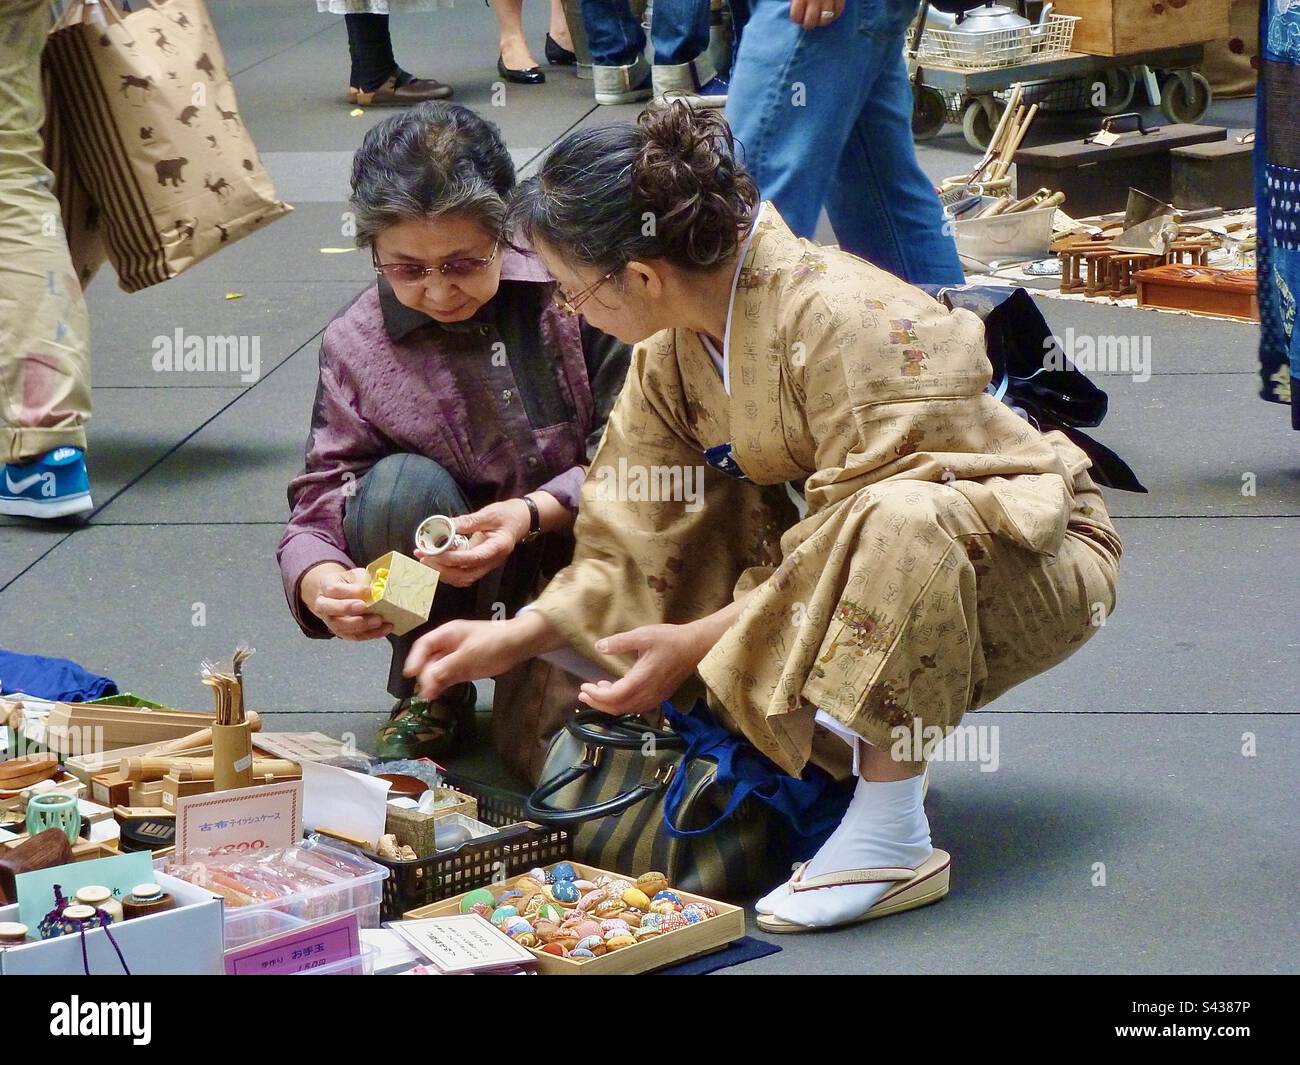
{"x": 679, "y": 30}
{"x": 825, "y": 118}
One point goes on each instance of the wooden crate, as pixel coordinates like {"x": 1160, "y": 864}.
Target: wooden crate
{"x": 656, "y": 953}
{"x": 1123, "y": 27}
{"x": 1201, "y": 289}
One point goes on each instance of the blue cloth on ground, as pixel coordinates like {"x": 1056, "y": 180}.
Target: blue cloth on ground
{"x": 51, "y": 678}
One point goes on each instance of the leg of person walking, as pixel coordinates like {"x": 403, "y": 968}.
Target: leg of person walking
{"x": 800, "y": 98}
{"x": 679, "y": 31}
{"x": 44, "y": 326}
{"x": 515, "y": 61}
{"x": 376, "y": 79}
{"x": 620, "y": 73}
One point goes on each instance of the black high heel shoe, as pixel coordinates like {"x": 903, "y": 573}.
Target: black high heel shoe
{"x": 531, "y": 76}
{"x": 559, "y": 56}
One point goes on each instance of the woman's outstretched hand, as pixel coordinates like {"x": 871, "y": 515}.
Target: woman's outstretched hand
{"x": 666, "y": 656}
{"x": 493, "y": 533}
{"x": 460, "y": 651}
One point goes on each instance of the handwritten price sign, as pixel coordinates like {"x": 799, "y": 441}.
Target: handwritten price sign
{"x": 240, "y": 820}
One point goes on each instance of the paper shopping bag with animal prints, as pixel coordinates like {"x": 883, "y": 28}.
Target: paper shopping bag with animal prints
{"x": 158, "y": 138}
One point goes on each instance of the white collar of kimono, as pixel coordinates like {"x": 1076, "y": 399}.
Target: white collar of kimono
{"x": 721, "y": 360}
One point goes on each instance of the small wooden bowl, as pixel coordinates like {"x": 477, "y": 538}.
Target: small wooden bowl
{"x": 404, "y": 786}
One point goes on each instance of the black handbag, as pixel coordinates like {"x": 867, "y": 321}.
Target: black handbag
{"x": 605, "y": 781}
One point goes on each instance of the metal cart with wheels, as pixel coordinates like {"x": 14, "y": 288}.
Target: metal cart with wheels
{"x": 943, "y": 93}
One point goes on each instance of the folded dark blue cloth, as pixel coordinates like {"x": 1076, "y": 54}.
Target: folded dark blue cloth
{"x": 811, "y": 805}
{"x": 51, "y": 678}
{"x": 741, "y": 951}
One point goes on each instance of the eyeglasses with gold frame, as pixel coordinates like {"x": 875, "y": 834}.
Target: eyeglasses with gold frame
{"x": 416, "y": 273}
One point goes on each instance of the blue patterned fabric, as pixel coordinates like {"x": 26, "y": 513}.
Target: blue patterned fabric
{"x": 1277, "y": 201}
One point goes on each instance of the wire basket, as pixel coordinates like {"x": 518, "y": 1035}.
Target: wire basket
{"x": 991, "y": 49}
{"x": 518, "y": 847}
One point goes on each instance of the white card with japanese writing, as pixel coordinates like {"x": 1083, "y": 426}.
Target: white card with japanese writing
{"x": 263, "y": 817}
{"x": 462, "y": 943}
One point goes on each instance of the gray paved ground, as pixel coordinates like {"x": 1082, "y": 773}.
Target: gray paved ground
{"x": 1128, "y": 755}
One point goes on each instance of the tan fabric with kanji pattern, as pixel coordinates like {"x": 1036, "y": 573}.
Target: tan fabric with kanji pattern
{"x": 950, "y": 550}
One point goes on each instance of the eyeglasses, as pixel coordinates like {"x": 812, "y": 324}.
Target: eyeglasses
{"x": 415, "y": 273}
{"x": 570, "y": 305}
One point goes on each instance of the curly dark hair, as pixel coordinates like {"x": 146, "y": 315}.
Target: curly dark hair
{"x": 434, "y": 159}
{"x": 668, "y": 186}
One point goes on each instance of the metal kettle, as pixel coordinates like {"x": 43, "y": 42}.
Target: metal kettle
{"x": 986, "y": 18}
{"x": 999, "y": 24}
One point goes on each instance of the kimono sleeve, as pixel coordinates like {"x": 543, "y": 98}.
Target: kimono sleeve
{"x": 660, "y": 536}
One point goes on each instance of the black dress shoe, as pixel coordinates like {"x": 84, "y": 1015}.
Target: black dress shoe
{"x": 531, "y": 76}
{"x": 559, "y": 56}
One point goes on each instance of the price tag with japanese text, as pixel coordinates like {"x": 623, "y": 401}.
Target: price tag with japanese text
{"x": 239, "y": 821}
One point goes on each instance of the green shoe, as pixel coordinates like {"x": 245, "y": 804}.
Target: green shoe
{"x": 420, "y": 728}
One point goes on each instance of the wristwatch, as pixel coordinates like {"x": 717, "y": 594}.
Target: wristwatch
{"x": 534, "y": 521}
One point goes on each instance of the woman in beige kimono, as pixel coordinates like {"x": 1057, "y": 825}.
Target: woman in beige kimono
{"x": 949, "y": 550}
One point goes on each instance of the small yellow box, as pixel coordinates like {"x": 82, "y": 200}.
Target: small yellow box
{"x": 407, "y": 591}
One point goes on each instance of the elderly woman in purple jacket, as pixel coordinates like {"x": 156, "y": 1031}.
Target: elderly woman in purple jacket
{"x": 455, "y": 385}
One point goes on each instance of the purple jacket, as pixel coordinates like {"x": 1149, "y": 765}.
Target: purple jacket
{"x": 511, "y": 401}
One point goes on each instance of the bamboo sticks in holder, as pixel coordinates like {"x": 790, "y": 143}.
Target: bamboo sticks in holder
{"x": 1003, "y": 145}
{"x": 1006, "y": 139}
{"x": 232, "y": 732}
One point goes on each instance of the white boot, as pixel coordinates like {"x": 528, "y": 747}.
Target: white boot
{"x": 684, "y": 81}
{"x": 622, "y": 85}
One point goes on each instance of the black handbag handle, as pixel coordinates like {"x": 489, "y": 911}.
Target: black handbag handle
{"x": 622, "y": 734}
{"x": 1108, "y": 123}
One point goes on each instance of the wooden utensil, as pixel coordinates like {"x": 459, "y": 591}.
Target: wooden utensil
{"x": 202, "y": 738}
{"x": 19, "y": 773}
{"x": 199, "y": 768}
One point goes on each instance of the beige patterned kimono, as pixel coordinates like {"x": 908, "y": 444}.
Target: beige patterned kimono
{"x": 950, "y": 550}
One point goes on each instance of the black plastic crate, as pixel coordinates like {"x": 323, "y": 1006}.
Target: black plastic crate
{"x": 517, "y": 847}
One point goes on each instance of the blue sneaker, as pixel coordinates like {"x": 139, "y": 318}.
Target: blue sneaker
{"x": 53, "y": 486}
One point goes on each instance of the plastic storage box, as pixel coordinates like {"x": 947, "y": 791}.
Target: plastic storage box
{"x": 341, "y": 882}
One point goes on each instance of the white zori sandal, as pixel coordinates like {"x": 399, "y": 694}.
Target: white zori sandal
{"x": 916, "y": 887}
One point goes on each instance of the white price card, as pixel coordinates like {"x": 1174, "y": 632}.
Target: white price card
{"x": 239, "y": 821}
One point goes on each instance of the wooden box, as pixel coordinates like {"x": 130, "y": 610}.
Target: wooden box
{"x": 1217, "y": 174}
{"x": 668, "y": 949}
{"x": 1096, "y": 177}
{"x": 145, "y": 793}
{"x": 174, "y": 788}
{"x": 1122, "y": 27}
{"x": 415, "y": 829}
{"x": 1201, "y": 289}
{"x": 407, "y": 595}
{"x": 110, "y": 789}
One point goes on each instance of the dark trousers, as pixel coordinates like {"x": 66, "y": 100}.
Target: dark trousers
{"x": 371, "y": 49}
{"x": 391, "y": 500}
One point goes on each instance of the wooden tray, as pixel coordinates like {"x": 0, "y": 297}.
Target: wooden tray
{"x": 655, "y": 953}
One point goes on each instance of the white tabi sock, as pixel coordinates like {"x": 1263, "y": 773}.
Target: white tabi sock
{"x": 884, "y": 826}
